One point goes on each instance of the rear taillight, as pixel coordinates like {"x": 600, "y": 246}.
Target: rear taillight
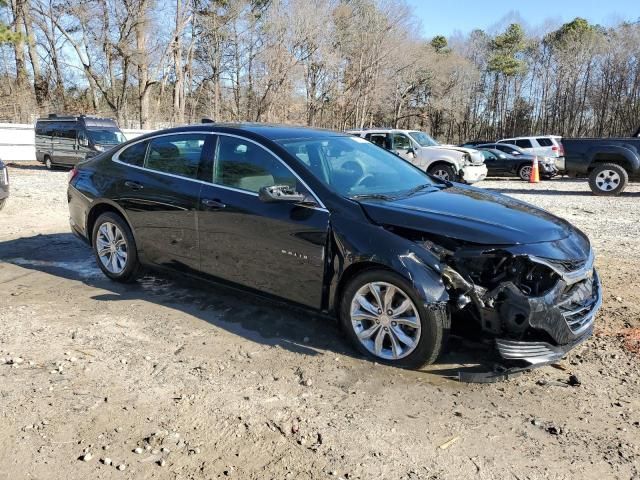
{"x": 73, "y": 174}
{"x": 554, "y": 148}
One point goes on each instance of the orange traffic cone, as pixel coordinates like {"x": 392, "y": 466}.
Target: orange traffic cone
{"x": 535, "y": 172}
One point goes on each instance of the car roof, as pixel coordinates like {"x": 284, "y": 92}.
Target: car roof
{"x": 382, "y": 130}
{"x": 268, "y": 131}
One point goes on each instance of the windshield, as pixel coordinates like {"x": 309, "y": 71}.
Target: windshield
{"x": 423, "y": 139}
{"x": 106, "y": 136}
{"x": 354, "y": 167}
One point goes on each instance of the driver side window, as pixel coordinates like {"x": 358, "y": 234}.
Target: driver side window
{"x": 246, "y": 166}
{"x": 400, "y": 141}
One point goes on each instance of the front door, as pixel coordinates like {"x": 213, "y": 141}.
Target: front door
{"x": 401, "y": 145}
{"x": 278, "y": 248}
{"x": 160, "y": 193}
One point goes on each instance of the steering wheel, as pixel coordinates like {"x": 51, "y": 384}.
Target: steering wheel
{"x": 362, "y": 179}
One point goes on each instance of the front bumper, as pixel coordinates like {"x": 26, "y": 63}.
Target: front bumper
{"x": 473, "y": 173}
{"x": 567, "y": 322}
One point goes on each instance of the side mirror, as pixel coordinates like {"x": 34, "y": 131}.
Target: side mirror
{"x": 280, "y": 193}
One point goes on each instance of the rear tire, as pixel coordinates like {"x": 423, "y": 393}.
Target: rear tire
{"x": 48, "y": 163}
{"x": 608, "y": 179}
{"x": 115, "y": 248}
{"x": 443, "y": 172}
{"x": 426, "y": 338}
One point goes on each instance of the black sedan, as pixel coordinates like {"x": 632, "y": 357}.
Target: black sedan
{"x": 4, "y": 184}
{"x": 499, "y": 162}
{"x": 336, "y": 224}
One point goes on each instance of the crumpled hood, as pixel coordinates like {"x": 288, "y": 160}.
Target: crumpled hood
{"x": 475, "y": 155}
{"x": 472, "y": 215}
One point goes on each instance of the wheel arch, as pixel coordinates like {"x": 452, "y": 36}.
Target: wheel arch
{"x": 98, "y": 209}
{"x": 618, "y": 155}
{"x": 443, "y": 161}
{"x": 425, "y": 280}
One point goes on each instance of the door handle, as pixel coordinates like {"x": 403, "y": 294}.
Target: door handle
{"x": 212, "y": 204}
{"x": 133, "y": 185}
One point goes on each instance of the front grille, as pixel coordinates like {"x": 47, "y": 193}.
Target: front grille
{"x": 579, "y": 303}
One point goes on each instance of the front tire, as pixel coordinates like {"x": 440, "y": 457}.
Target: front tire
{"x": 524, "y": 172}
{"x": 443, "y": 172}
{"x": 48, "y": 163}
{"x": 608, "y": 179}
{"x": 386, "y": 320}
{"x": 115, "y": 248}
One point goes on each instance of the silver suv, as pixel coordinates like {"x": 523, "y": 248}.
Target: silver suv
{"x": 447, "y": 162}
{"x": 549, "y": 146}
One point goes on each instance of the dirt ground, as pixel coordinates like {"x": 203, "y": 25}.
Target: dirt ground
{"x": 170, "y": 379}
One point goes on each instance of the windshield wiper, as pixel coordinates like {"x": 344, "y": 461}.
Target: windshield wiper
{"x": 375, "y": 196}
{"x": 419, "y": 187}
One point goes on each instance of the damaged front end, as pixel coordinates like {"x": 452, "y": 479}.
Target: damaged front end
{"x": 534, "y": 308}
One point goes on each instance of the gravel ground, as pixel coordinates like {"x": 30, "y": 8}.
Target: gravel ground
{"x": 170, "y": 379}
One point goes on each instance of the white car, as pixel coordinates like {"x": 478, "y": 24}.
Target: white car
{"x": 447, "y": 162}
{"x": 549, "y": 146}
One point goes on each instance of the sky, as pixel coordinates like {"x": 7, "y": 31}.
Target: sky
{"x": 461, "y": 16}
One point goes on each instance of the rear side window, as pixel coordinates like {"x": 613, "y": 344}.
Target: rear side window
{"x": 523, "y": 143}
{"x": 545, "y": 142}
{"x": 176, "y": 154}
{"x": 134, "y": 155}
{"x": 380, "y": 139}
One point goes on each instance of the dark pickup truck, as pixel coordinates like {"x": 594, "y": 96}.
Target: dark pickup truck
{"x": 608, "y": 162}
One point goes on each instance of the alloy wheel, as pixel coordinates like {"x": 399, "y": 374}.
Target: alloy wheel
{"x": 48, "y": 163}
{"x": 525, "y": 173}
{"x": 607, "y": 180}
{"x": 111, "y": 246}
{"x": 441, "y": 174}
{"x": 385, "y": 320}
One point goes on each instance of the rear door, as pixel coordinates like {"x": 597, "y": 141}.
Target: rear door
{"x": 524, "y": 143}
{"x": 276, "y": 247}
{"x": 159, "y": 192}
{"x": 65, "y": 142}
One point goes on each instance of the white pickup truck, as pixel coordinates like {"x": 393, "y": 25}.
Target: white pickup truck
{"x": 447, "y": 162}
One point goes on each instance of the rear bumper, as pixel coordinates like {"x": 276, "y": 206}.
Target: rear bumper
{"x": 473, "y": 173}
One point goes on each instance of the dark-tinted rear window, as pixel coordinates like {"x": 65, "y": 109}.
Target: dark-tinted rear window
{"x": 523, "y": 143}
{"x": 544, "y": 142}
{"x": 134, "y": 155}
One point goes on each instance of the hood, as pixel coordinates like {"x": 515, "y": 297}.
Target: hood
{"x": 472, "y": 215}
{"x": 475, "y": 155}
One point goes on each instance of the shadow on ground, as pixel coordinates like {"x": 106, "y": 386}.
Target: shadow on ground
{"x": 258, "y": 319}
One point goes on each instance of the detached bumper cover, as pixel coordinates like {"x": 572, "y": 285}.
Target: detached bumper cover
{"x": 535, "y": 353}
{"x": 474, "y": 173}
